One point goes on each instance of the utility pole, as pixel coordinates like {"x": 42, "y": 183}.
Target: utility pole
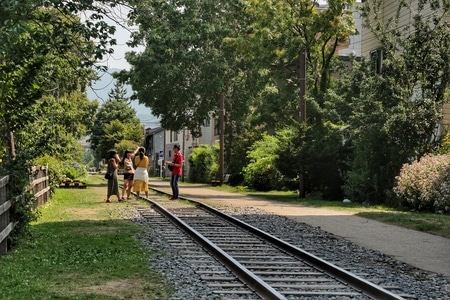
{"x": 184, "y": 137}
{"x": 302, "y": 87}
{"x": 222, "y": 136}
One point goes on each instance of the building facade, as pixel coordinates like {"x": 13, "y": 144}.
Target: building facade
{"x": 371, "y": 47}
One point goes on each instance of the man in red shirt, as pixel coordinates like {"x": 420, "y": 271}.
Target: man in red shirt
{"x": 177, "y": 169}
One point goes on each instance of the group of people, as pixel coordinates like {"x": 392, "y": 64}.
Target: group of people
{"x": 136, "y": 175}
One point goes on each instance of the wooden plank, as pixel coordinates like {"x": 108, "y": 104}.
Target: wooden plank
{"x": 5, "y": 206}
{"x": 4, "y": 234}
{"x": 4, "y": 181}
{"x": 42, "y": 192}
{"x": 37, "y": 181}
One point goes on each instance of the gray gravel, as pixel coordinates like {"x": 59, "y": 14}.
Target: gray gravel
{"x": 364, "y": 262}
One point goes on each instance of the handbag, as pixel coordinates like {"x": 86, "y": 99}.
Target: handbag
{"x": 170, "y": 167}
{"x": 108, "y": 175}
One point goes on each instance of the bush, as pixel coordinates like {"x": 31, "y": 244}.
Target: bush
{"x": 425, "y": 184}
{"x": 59, "y": 171}
{"x": 203, "y": 163}
{"x": 262, "y": 173}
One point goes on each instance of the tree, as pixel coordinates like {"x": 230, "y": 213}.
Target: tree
{"x": 115, "y": 121}
{"x": 44, "y": 48}
{"x": 58, "y": 126}
{"x": 281, "y": 29}
{"x": 395, "y": 110}
{"x": 32, "y": 34}
{"x": 190, "y": 61}
{"x": 262, "y": 173}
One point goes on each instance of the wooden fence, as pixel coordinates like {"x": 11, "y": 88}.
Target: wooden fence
{"x": 39, "y": 187}
{"x": 5, "y": 225}
{"x": 39, "y": 184}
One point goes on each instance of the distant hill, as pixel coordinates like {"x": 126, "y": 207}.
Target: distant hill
{"x": 101, "y": 88}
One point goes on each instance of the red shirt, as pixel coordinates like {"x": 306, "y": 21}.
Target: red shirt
{"x": 178, "y": 159}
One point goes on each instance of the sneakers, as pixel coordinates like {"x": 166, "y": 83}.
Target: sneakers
{"x": 173, "y": 198}
{"x": 122, "y": 199}
{"x": 108, "y": 201}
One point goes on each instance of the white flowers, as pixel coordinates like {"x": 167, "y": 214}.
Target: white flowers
{"x": 425, "y": 184}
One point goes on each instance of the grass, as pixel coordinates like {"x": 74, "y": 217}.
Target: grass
{"x": 437, "y": 224}
{"x": 81, "y": 248}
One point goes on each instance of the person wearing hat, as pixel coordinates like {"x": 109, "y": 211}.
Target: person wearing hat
{"x": 113, "y": 182}
{"x": 176, "y": 167}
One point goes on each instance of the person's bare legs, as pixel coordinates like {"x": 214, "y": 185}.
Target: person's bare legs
{"x": 125, "y": 187}
{"x": 130, "y": 185}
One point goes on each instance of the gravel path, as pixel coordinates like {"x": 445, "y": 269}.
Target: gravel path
{"x": 342, "y": 252}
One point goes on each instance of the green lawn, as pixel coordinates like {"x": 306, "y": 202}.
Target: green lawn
{"x": 437, "y": 224}
{"x": 81, "y": 248}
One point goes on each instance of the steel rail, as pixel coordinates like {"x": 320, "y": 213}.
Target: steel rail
{"x": 364, "y": 286}
{"x": 260, "y": 287}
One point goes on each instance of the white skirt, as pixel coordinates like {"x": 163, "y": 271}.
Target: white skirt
{"x": 141, "y": 174}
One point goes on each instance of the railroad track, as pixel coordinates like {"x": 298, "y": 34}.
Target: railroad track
{"x": 239, "y": 261}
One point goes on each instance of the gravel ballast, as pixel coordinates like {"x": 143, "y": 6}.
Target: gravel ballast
{"x": 372, "y": 265}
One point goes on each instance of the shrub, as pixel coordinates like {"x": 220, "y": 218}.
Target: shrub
{"x": 425, "y": 184}
{"x": 262, "y": 173}
{"x": 203, "y": 163}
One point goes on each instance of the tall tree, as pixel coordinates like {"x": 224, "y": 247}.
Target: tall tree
{"x": 115, "y": 121}
{"x": 282, "y": 29}
{"x": 190, "y": 61}
{"x": 32, "y": 33}
{"x": 44, "y": 49}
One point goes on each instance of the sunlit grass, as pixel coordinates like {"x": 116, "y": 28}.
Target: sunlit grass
{"x": 81, "y": 248}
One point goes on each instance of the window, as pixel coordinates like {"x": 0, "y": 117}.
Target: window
{"x": 376, "y": 59}
{"x": 207, "y": 123}
{"x": 175, "y": 136}
{"x": 216, "y": 127}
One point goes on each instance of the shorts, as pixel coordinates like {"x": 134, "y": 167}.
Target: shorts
{"x": 128, "y": 176}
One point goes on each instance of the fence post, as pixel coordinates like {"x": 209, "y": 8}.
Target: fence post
{"x": 39, "y": 184}
{"x": 5, "y": 225}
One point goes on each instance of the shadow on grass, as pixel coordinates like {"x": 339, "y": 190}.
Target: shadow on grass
{"x": 81, "y": 260}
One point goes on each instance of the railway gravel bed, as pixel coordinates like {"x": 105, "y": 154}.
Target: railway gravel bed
{"x": 183, "y": 273}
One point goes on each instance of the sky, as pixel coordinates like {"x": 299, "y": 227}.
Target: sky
{"x": 116, "y": 62}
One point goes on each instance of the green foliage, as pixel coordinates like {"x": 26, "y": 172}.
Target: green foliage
{"x": 46, "y": 55}
{"x": 395, "y": 112}
{"x": 445, "y": 145}
{"x": 89, "y": 159}
{"x": 281, "y": 29}
{"x": 74, "y": 170}
{"x": 22, "y": 211}
{"x": 58, "y": 126}
{"x": 125, "y": 145}
{"x": 424, "y": 184}
{"x": 261, "y": 173}
{"x": 56, "y": 168}
{"x": 190, "y": 60}
{"x": 237, "y": 150}
{"x": 204, "y": 163}
{"x": 115, "y": 122}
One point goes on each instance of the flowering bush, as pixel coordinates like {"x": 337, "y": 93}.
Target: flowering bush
{"x": 425, "y": 184}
